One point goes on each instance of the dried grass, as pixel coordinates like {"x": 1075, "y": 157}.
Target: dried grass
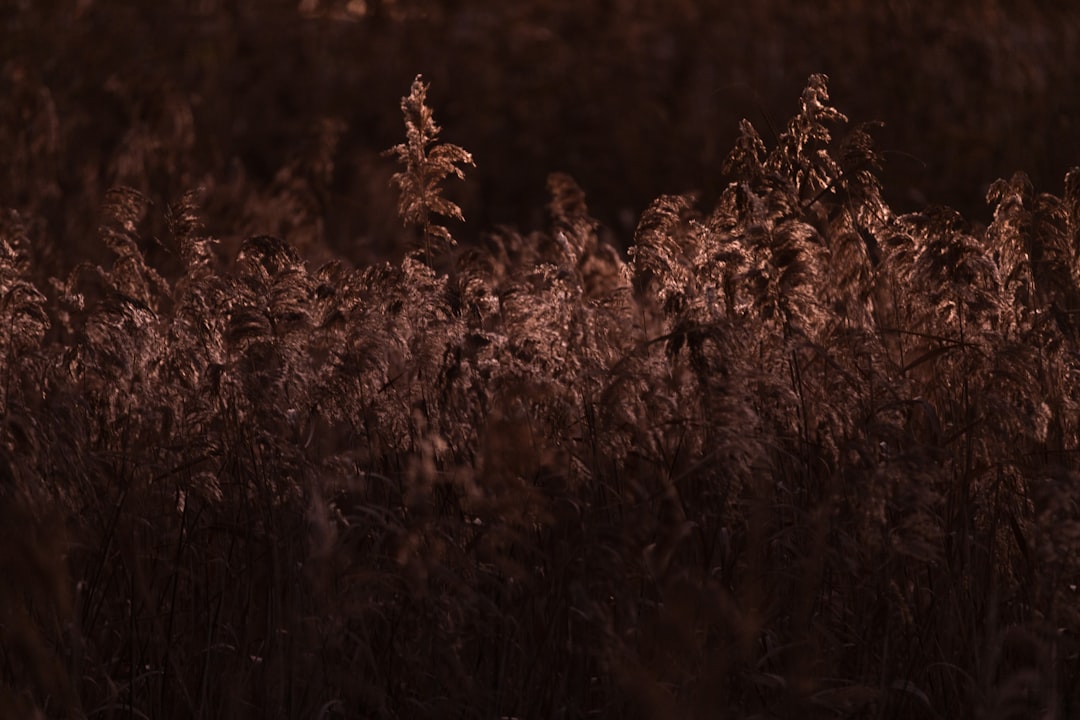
{"x": 801, "y": 455}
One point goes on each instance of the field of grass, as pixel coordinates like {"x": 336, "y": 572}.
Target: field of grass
{"x": 302, "y": 416}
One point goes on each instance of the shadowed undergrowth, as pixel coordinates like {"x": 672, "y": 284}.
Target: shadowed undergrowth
{"x": 799, "y": 454}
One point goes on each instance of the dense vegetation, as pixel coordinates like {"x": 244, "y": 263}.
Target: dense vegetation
{"x": 793, "y": 453}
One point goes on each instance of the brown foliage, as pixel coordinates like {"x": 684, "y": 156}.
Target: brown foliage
{"x": 801, "y": 455}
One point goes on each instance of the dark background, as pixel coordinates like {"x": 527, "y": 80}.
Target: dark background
{"x": 281, "y": 110}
